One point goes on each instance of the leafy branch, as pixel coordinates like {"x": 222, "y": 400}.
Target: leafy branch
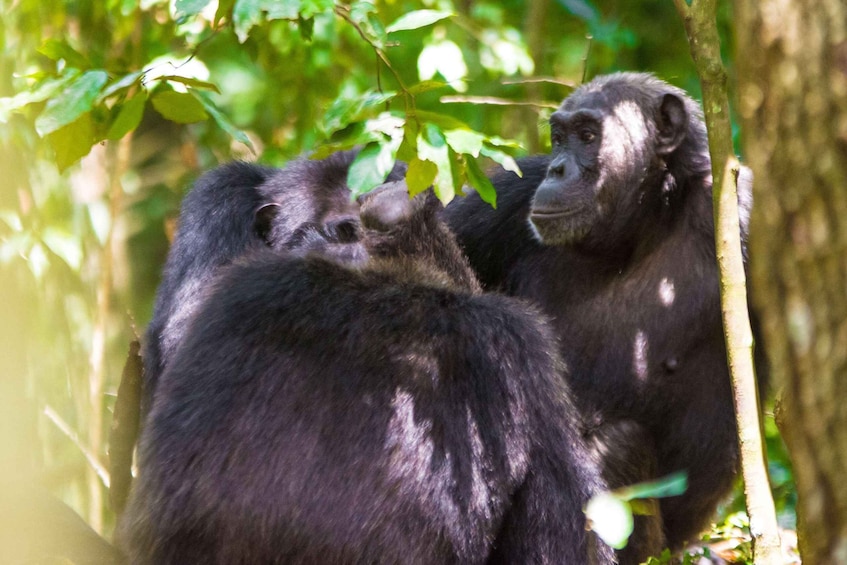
{"x": 344, "y": 12}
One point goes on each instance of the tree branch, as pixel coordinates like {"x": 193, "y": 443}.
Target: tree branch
{"x": 98, "y": 468}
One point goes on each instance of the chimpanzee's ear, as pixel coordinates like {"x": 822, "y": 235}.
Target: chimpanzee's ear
{"x": 264, "y": 220}
{"x": 671, "y": 123}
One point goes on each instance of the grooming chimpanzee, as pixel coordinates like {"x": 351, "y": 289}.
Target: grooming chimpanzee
{"x": 232, "y": 211}
{"x": 613, "y": 236}
{"x": 370, "y": 406}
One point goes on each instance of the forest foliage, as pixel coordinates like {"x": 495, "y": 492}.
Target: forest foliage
{"x": 108, "y": 111}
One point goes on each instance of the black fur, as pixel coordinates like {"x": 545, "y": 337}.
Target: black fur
{"x": 613, "y": 236}
{"x": 322, "y": 411}
{"x": 236, "y": 209}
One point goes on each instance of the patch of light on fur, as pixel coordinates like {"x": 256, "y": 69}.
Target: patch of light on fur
{"x": 639, "y": 355}
{"x": 189, "y": 297}
{"x": 667, "y": 292}
{"x": 629, "y": 115}
{"x": 613, "y": 147}
{"x": 410, "y": 448}
{"x": 623, "y": 131}
{"x": 409, "y": 443}
{"x": 479, "y": 489}
{"x": 517, "y": 429}
{"x": 516, "y": 443}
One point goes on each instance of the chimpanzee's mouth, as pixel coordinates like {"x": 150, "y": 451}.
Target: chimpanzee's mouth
{"x": 552, "y": 213}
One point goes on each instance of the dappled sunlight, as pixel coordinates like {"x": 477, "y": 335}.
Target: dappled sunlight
{"x": 667, "y": 291}
{"x": 624, "y": 130}
{"x": 639, "y": 355}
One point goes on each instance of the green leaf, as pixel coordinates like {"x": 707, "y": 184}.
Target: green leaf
{"x": 610, "y": 518}
{"x": 465, "y": 141}
{"x": 346, "y": 109}
{"x": 500, "y": 142}
{"x": 670, "y": 485}
{"x": 76, "y": 99}
{"x": 420, "y": 175}
{"x": 55, "y": 50}
{"x": 481, "y": 183}
{"x": 122, "y": 83}
{"x": 73, "y": 141}
{"x": 434, "y": 136}
{"x": 426, "y": 86}
{"x": 192, "y": 82}
{"x": 458, "y": 171}
{"x": 352, "y": 135}
{"x": 433, "y": 147}
{"x": 310, "y": 8}
{"x": 504, "y": 159}
{"x": 188, "y": 8}
{"x": 441, "y": 120}
{"x": 179, "y": 107}
{"x": 306, "y": 27}
{"x": 369, "y": 169}
{"x": 364, "y": 15}
{"x": 417, "y": 19}
{"x": 387, "y": 124}
{"x": 129, "y": 116}
{"x": 409, "y": 146}
{"x": 223, "y": 121}
{"x": 42, "y": 92}
{"x": 247, "y": 13}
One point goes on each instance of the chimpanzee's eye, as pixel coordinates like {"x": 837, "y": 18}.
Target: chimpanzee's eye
{"x": 587, "y": 136}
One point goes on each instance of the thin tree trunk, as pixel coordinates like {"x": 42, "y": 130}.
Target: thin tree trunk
{"x": 792, "y": 73}
{"x": 97, "y": 357}
{"x": 701, "y": 28}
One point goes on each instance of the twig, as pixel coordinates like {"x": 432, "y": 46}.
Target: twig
{"x": 549, "y": 80}
{"x": 344, "y": 13}
{"x": 74, "y": 437}
{"x": 590, "y": 38}
{"x": 491, "y": 100}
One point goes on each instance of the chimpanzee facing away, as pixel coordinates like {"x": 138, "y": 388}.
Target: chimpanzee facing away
{"x": 232, "y": 211}
{"x": 370, "y": 406}
{"x": 613, "y": 236}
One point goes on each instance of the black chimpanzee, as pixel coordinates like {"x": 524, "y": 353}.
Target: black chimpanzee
{"x": 232, "y": 211}
{"x": 370, "y": 406}
{"x": 613, "y": 236}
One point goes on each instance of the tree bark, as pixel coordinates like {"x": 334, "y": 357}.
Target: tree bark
{"x": 792, "y": 75}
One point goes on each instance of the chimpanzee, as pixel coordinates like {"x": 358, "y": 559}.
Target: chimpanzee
{"x": 613, "y": 236}
{"x": 362, "y": 407}
{"x": 232, "y": 211}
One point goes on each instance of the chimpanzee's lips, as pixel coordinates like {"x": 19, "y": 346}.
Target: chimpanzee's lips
{"x": 552, "y": 213}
